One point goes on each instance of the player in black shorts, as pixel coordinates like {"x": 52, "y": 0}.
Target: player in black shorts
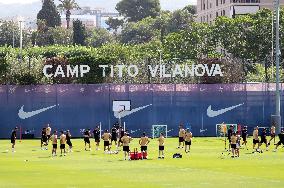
{"x": 121, "y": 134}
{"x": 181, "y": 135}
{"x": 143, "y": 142}
{"x": 234, "y": 144}
{"x": 125, "y": 142}
{"x": 161, "y": 141}
{"x": 13, "y": 138}
{"x": 43, "y": 141}
{"x": 87, "y": 135}
{"x": 281, "y": 140}
{"x": 245, "y": 135}
{"x": 188, "y": 139}
{"x": 68, "y": 140}
{"x": 106, "y": 137}
{"x": 272, "y": 134}
{"x": 114, "y": 134}
{"x": 263, "y": 139}
{"x": 97, "y": 135}
{"x": 62, "y": 142}
{"x": 230, "y": 133}
{"x": 53, "y": 138}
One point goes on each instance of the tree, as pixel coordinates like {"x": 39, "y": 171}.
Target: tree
{"x": 260, "y": 43}
{"x": 114, "y": 24}
{"x": 189, "y": 44}
{"x": 4, "y": 67}
{"x": 136, "y": 10}
{"x": 79, "y": 33}
{"x": 99, "y": 37}
{"x": 162, "y": 23}
{"x": 238, "y": 29}
{"x": 49, "y": 14}
{"x": 250, "y": 38}
{"x": 42, "y": 38}
{"x": 140, "y": 32}
{"x": 7, "y": 29}
{"x": 68, "y": 5}
{"x": 190, "y": 9}
{"x": 10, "y": 33}
{"x": 61, "y": 36}
{"x": 180, "y": 19}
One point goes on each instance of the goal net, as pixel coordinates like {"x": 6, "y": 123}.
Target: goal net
{"x": 157, "y": 129}
{"x": 222, "y": 129}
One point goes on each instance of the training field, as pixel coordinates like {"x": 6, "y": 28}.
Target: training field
{"x": 205, "y": 166}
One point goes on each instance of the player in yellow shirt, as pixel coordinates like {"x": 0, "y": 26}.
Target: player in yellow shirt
{"x": 143, "y": 142}
{"x": 234, "y": 144}
{"x": 161, "y": 141}
{"x": 181, "y": 135}
{"x": 187, "y": 139}
{"x": 62, "y": 143}
{"x": 106, "y": 137}
{"x": 125, "y": 142}
{"x": 53, "y": 139}
{"x": 272, "y": 134}
{"x": 255, "y": 139}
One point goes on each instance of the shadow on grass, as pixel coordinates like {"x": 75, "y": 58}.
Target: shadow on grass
{"x": 249, "y": 153}
{"x": 122, "y": 160}
{"x": 135, "y": 160}
{"x": 44, "y": 157}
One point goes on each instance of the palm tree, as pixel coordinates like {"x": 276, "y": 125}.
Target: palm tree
{"x": 68, "y": 5}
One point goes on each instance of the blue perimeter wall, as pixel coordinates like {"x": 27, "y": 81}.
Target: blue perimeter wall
{"x": 84, "y": 106}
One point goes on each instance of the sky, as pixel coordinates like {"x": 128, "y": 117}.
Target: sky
{"x": 164, "y": 3}
{"x": 18, "y": 1}
{"x": 29, "y": 8}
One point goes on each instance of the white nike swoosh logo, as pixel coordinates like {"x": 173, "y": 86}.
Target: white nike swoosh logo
{"x": 127, "y": 113}
{"x": 212, "y": 113}
{"x": 24, "y": 115}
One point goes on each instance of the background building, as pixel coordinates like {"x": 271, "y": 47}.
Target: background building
{"x": 90, "y": 17}
{"x": 208, "y": 10}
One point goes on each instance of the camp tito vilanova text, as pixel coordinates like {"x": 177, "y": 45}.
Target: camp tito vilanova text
{"x": 161, "y": 70}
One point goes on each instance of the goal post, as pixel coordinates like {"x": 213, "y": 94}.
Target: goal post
{"x": 157, "y": 129}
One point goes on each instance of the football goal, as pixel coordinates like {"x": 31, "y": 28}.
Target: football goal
{"x": 157, "y": 129}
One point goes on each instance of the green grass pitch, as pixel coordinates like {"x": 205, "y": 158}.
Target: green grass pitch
{"x": 205, "y": 166}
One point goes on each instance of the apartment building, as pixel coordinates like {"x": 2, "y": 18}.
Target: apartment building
{"x": 208, "y": 10}
{"x": 90, "y": 17}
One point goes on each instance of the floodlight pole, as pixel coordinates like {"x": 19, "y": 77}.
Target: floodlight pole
{"x": 13, "y": 37}
{"x": 160, "y": 62}
{"x": 277, "y": 118}
{"x": 21, "y": 41}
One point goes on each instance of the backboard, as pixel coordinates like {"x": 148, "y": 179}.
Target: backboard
{"x": 121, "y": 105}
